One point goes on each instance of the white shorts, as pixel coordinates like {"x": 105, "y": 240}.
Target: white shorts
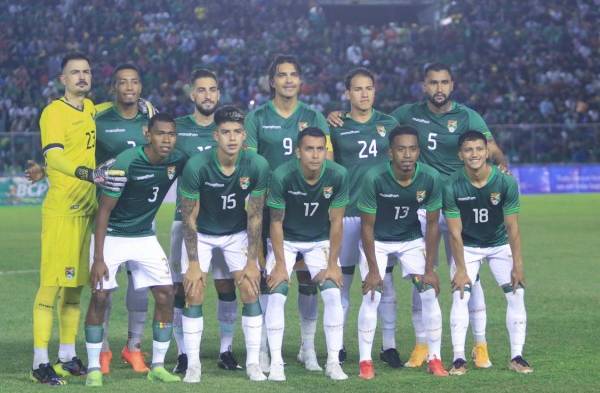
{"x": 499, "y": 258}
{"x": 316, "y": 256}
{"x": 220, "y": 271}
{"x": 145, "y": 259}
{"x": 422, "y": 214}
{"x": 411, "y": 255}
{"x": 233, "y": 247}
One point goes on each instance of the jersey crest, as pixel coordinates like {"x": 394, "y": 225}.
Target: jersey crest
{"x": 495, "y": 198}
{"x": 452, "y": 125}
{"x": 302, "y": 125}
{"x": 380, "y": 129}
{"x": 69, "y": 273}
{"x": 327, "y": 192}
{"x": 171, "y": 170}
{"x": 421, "y": 196}
{"x": 244, "y": 182}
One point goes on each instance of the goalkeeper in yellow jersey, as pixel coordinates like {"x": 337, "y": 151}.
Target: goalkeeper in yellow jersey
{"x": 68, "y": 134}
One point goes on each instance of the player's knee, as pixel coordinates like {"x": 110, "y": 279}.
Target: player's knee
{"x": 178, "y": 290}
{"x": 247, "y": 293}
{"x": 508, "y": 288}
{"x": 328, "y": 284}
{"x": 99, "y": 300}
{"x": 281, "y": 289}
{"x": 195, "y": 299}
{"x": 304, "y": 277}
{"x": 349, "y": 270}
{"x": 163, "y": 296}
{"x": 419, "y": 285}
{"x": 225, "y": 286}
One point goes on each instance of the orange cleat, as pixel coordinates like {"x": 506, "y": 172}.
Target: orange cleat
{"x": 366, "y": 370}
{"x": 435, "y": 367}
{"x": 135, "y": 360}
{"x": 105, "y": 359}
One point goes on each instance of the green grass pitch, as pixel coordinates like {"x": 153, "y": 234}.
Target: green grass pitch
{"x": 561, "y": 253}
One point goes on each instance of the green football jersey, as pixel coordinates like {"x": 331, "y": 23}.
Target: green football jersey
{"x": 147, "y": 185}
{"x": 222, "y": 198}
{"x": 482, "y": 210}
{"x": 275, "y": 137}
{"x": 395, "y": 206}
{"x": 358, "y": 147}
{"x": 307, "y": 206}
{"x": 115, "y": 134}
{"x": 438, "y": 134}
{"x": 193, "y": 139}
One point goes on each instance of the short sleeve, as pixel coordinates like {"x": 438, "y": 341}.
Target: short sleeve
{"x": 340, "y": 198}
{"x": 449, "y": 202}
{"x": 191, "y": 180}
{"x": 276, "y": 199}
{"x": 262, "y": 176}
{"x": 251, "y": 127}
{"x": 434, "y": 202}
{"x": 367, "y": 200}
{"x": 52, "y": 129}
{"x": 511, "y": 200}
{"x": 477, "y": 123}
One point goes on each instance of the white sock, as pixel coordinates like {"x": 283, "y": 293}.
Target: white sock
{"x": 367, "y": 323}
{"x": 345, "y": 291}
{"x": 333, "y": 322}
{"x": 159, "y": 350}
{"x": 516, "y": 321}
{"x": 264, "y": 301}
{"x": 107, "y": 312}
{"x": 275, "y": 324}
{"x": 417, "y": 318}
{"x": 178, "y": 330}
{"x": 459, "y": 323}
{"x": 226, "y": 314}
{"x": 432, "y": 319}
{"x": 93, "y": 355}
{"x": 308, "y": 310}
{"x": 192, "y": 336}
{"x": 40, "y": 356}
{"x": 477, "y": 312}
{"x": 252, "y": 327}
{"x": 387, "y": 313}
{"x": 66, "y": 352}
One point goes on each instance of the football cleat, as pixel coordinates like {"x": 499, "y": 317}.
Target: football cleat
{"x": 228, "y": 362}
{"x": 520, "y": 365}
{"x": 72, "y": 367}
{"x": 480, "y": 355}
{"x": 105, "y": 359}
{"x": 94, "y": 379}
{"x": 418, "y": 356}
{"x": 45, "y": 374}
{"x": 366, "y": 370}
{"x": 182, "y": 364}
{"x": 193, "y": 374}
{"x": 309, "y": 359}
{"x": 343, "y": 355}
{"x": 135, "y": 360}
{"x": 277, "y": 372}
{"x": 435, "y": 367}
{"x": 334, "y": 371}
{"x": 254, "y": 373}
{"x": 161, "y": 374}
{"x": 459, "y": 367}
{"x": 391, "y": 357}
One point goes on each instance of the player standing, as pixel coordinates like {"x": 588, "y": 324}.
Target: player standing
{"x": 481, "y": 205}
{"x": 307, "y": 197}
{"x": 214, "y": 188}
{"x": 391, "y": 194}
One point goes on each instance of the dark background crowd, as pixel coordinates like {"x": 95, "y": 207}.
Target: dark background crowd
{"x": 521, "y": 64}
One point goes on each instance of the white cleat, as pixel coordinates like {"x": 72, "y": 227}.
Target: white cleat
{"x": 193, "y": 374}
{"x": 254, "y": 373}
{"x": 334, "y": 371}
{"x": 277, "y": 374}
{"x": 265, "y": 361}
{"x": 309, "y": 359}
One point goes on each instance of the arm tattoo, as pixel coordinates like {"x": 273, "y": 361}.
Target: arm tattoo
{"x": 189, "y": 211}
{"x": 277, "y": 214}
{"x": 254, "y": 226}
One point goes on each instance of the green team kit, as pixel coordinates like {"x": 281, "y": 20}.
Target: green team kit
{"x": 222, "y": 198}
{"x": 482, "y": 210}
{"x": 307, "y": 206}
{"x": 114, "y": 133}
{"x": 438, "y": 134}
{"x": 360, "y": 146}
{"x": 395, "y": 206}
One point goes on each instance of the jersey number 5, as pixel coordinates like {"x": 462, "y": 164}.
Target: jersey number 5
{"x": 431, "y": 141}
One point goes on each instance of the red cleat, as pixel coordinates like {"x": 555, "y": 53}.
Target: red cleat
{"x": 436, "y": 368}
{"x": 135, "y": 359}
{"x": 105, "y": 359}
{"x": 366, "y": 370}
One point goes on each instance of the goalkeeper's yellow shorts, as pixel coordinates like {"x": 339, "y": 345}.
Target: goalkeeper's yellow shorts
{"x": 65, "y": 250}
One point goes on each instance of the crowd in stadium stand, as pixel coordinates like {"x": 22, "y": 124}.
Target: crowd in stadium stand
{"x": 515, "y": 62}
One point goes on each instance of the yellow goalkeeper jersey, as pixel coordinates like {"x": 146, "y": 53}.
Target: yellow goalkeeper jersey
{"x": 73, "y": 131}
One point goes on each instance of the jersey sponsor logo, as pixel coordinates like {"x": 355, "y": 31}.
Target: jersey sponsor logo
{"x": 467, "y": 198}
{"x": 187, "y": 134}
{"x": 114, "y": 130}
{"x": 144, "y": 177}
{"x": 327, "y": 192}
{"x": 244, "y": 182}
{"x": 452, "y": 125}
{"x": 421, "y": 120}
{"x": 272, "y": 127}
{"x": 214, "y": 185}
{"x": 74, "y": 207}
{"x": 421, "y": 196}
{"x": 388, "y": 195}
{"x": 495, "y": 198}
{"x": 380, "y": 129}
{"x": 171, "y": 170}
{"x": 297, "y": 193}
{"x": 302, "y": 125}
{"x": 350, "y": 132}
{"x": 69, "y": 272}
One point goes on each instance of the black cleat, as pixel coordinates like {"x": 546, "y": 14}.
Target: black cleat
{"x": 181, "y": 366}
{"x": 45, "y": 374}
{"x": 74, "y": 367}
{"x": 520, "y": 365}
{"x": 343, "y": 355}
{"x": 391, "y": 357}
{"x": 459, "y": 367}
{"x": 227, "y": 361}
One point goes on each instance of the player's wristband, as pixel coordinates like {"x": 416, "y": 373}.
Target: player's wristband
{"x": 84, "y": 173}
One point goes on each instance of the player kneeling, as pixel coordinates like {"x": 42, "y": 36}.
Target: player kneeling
{"x": 214, "y": 188}
{"x": 481, "y": 205}
{"x": 124, "y": 234}
{"x": 307, "y": 197}
{"x": 391, "y": 194}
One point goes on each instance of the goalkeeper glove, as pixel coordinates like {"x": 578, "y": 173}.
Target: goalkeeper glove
{"x": 146, "y": 108}
{"x": 109, "y": 179}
